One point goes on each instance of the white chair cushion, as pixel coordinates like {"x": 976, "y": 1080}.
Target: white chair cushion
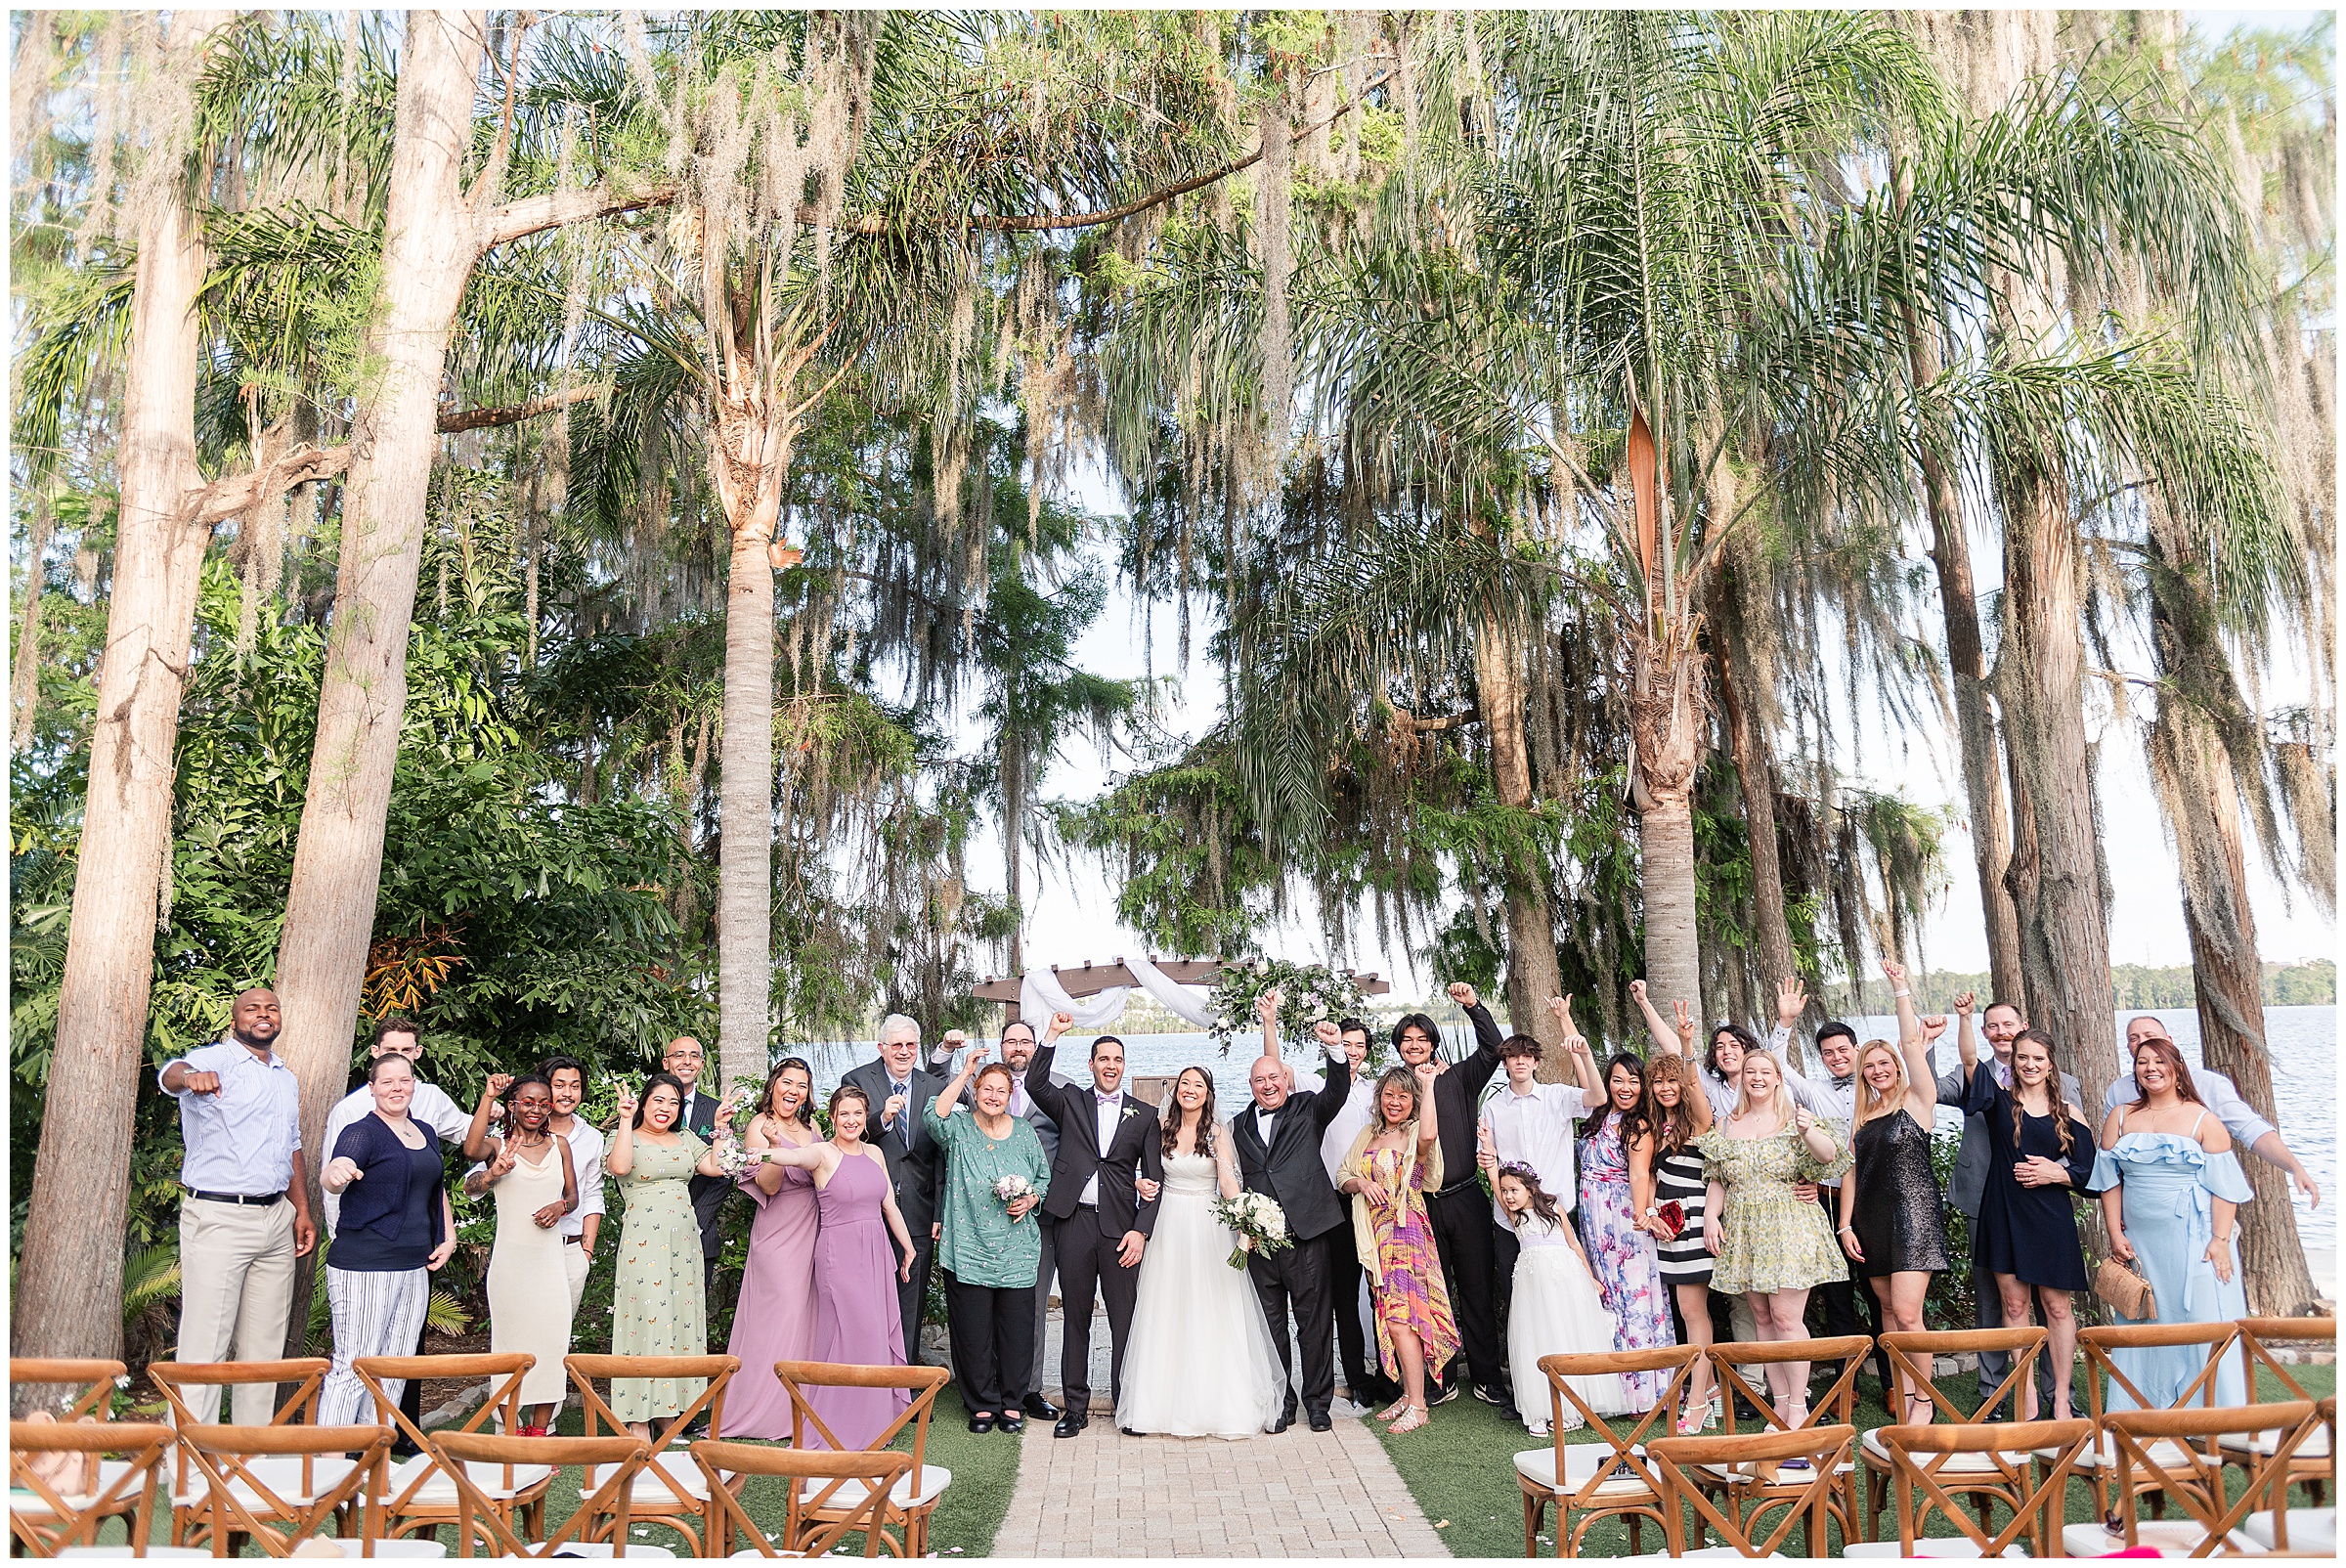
{"x": 488, "y": 1476}
{"x": 1707, "y": 1552}
{"x": 123, "y": 1552}
{"x": 933, "y": 1479}
{"x": 2315, "y": 1446}
{"x": 651, "y": 1489}
{"x": 1928, "y": 1547}
{"x": 280, "y": 1474}
{"x": 2171, "y": 1537}
{"x": 26, "y": 1501}
{"x": 382, "y": 1549}
{"x": 2310, "y": 1530}
{"x": 1957, "y": 1464}
{"x": 1582, "y": 1461}
{"x": 1739, "y": 1470}
{"x": 602, "y": 1549}
{"x": 2102, "y": 1455}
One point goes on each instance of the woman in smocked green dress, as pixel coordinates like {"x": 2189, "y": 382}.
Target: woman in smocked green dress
{"x": 1772, "y": 1246}
{"x": 659, "y": 1308}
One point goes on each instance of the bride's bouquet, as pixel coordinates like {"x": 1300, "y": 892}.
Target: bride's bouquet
{"x": 1261, "y": 1223}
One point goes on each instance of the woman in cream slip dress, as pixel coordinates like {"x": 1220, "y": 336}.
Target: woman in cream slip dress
{"x": 525, "y": 1314}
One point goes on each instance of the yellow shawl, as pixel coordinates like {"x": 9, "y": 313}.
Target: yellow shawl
{"x": 1356, "y": 1167}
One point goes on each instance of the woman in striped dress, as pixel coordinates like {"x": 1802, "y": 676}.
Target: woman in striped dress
{"x": 1682, "y": 1115}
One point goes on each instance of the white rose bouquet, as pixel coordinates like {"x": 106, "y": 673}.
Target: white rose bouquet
{"x": 1261, "y": 1223}
{"x": 1010, "y": 1189}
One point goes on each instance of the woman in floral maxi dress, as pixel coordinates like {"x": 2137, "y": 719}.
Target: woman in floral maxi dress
{"x": 1393, "y": 1163}
{"x": 1616, "y": 1185}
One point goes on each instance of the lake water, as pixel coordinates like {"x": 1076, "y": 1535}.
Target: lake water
{"x": 2304, "y": 1042}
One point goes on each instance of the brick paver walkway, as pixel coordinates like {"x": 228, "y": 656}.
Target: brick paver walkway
{"x": 1299, "y": 1494}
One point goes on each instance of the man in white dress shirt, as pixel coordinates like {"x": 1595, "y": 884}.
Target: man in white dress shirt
{"x": 1531, "y": 1123}
{"x": 397, "y": 1037}
{"x": 2224, "y": 1100}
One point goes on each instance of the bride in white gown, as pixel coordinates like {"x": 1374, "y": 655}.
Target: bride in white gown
{"x": 1200, "y": 1362}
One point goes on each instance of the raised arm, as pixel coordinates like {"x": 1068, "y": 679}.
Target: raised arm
{"x": 619, "y": 1158}
{"x": 476, "y": 1144}
{"x": 1575, "y": 1045}
{"x": 1479, "y": 1066}
{"x": 1665, "y": 1038}
{"x": 950, "y": 1095}
{"x": 1266, "y": 1008}
{"x": 1429, "y": 1133}
{"x": 1335, "y": 1085}
{"x": 1922, "y": 1081}
{"x": 1904, "y": 993}
{"x": 1967, "y": 1038}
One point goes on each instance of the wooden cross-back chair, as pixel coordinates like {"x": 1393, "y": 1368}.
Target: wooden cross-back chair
{"x": 912, "y": 1501}
{"x": 464, "y": 1455}
{"x": 2103, "y": 1345}
{"x": 831, "y": 1496}
{"x": 2315, "y": 1466}
{"x": 421, "y": 1497}
{"x": 2299, "y": 1532}
{"x": 95, "y": 1378}
{"x": 668, "y": 1492}
{"x": 294, "y": 1476}
{"x": 1597, "y": 1480}
{"x": 1919, "y": 1455}
{"x": 1686, "y": 1466}
{"x": 1836, "y": 1405}
{"x": 244, "y": 1495}
{"x": 48, "y": 1514}
{"x": 1912, "y": 1357}
{"x": 2177, "y": 1451}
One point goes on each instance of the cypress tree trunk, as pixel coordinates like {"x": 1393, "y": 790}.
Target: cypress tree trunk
{"x": 2065, "y": 935}
{"x": 68, "y": 1295}
{"x": 1532, "y": 972}
{"x": 429, "y": 246}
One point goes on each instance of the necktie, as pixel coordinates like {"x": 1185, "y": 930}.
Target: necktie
{"x": 904, "y": 1116}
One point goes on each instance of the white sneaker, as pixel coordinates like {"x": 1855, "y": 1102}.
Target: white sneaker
{"x": 1539, "y": 1428}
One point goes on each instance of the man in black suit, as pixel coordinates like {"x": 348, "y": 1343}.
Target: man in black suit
{"x": 685, "y": 1058}
{"x": 1099, "y": 1224}
{"x": 1460, "y": 1212}
{"x": 900, "y": 1090}
{"x": 1277, "y": 1141}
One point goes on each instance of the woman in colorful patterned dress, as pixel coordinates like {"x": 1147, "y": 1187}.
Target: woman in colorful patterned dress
{"x": 1394, "y": 1162}
{"x": 1616, "y": 1187}
{"x": 1772, "y": 1245}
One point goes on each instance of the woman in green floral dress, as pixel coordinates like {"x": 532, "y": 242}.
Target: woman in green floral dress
{"x": 1772, "y": 1246}
{"x": 659, "y": 1308}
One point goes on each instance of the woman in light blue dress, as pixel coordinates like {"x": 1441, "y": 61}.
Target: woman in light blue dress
{"x": 2171, "y": 1188}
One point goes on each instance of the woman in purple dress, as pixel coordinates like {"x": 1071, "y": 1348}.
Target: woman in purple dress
{"x": 775, "y": 1321}
{"x": 856, "y": 1320}
{"x": 1615, "y": 1186}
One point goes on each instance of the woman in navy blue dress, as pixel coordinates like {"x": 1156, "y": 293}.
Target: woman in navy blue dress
{"x": 2040, "y": 1158}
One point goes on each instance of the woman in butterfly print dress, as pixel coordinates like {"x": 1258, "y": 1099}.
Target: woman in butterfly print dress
{"x": 1614, "y": 1193}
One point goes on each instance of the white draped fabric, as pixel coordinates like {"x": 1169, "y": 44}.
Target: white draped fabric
{"x": 1182, "y": 1001}
{"x": 1040, "y": 995}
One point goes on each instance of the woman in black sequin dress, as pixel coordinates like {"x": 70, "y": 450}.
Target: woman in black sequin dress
{"x": 1893, "y": 1223}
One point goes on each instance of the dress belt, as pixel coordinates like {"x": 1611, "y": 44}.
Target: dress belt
{"x": 261, "y": 1201}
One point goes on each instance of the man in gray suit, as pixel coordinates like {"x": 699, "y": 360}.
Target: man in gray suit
{"x": 2002, "y": 1024}
{"x": 1018, "y": 1051}
{"x": 900, "y": 1090}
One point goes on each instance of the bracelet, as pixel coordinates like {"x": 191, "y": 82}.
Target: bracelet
{"x": 1901, "y": 995}
{"x": 1847, "y": 1230}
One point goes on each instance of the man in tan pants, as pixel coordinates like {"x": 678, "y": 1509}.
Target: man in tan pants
{"x": 245, "y": 1216}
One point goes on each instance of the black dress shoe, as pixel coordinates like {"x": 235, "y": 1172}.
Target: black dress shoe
{"x": 1041, "y": 1409}
{"x": 1013, "y": 1422}
{"x": 982, "y": 1423}
{"x": 1069, "y": 1424}
{"x": 1321, "y": 1422}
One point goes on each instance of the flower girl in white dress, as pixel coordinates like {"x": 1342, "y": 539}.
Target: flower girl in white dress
{"x": 1201, "y": 1362}
{"x": 1557, "y": 1307}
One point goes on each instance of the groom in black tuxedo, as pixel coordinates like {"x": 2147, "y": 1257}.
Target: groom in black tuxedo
{"x": 1277, "y": 1140}
{"x": 1108, "y": 1142}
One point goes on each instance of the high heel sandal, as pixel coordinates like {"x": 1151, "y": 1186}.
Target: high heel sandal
{"x": 1411, "y": 1421}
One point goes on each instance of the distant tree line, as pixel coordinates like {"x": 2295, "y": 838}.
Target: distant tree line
{"x": 2308, "y": 982}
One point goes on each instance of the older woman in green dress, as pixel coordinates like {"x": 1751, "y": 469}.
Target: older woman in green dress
{"x": 1772, "y": 1247}
{"x": 993, "y": 1246}
{"x": 659, "y": 1308}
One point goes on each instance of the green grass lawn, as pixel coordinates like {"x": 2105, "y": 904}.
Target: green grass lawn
{"x": 985, "y": 1471}
{"x": 1462, "y": 1471}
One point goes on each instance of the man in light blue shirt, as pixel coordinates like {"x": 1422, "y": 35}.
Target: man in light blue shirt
{"x": 2223, "y": 1099}
{"x": 245, "y": 1216}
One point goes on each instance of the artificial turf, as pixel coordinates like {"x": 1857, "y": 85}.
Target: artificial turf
{"x": 1461, "y": 1471}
